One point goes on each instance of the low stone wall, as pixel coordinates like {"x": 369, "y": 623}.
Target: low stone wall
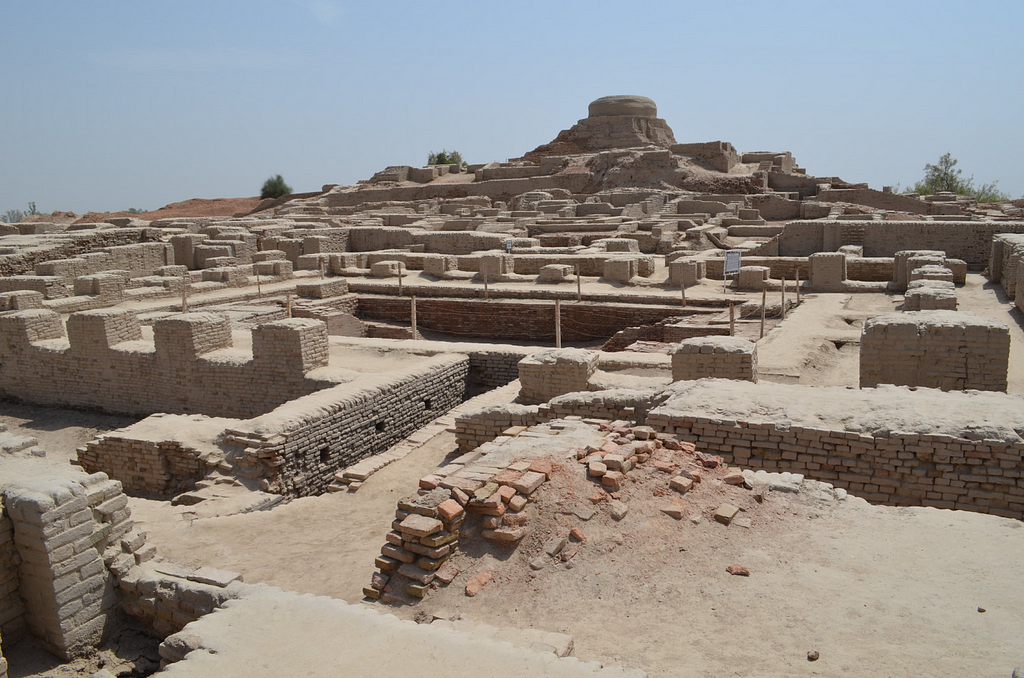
{"x": 937, "y": 349}
{"x": 930, "y": 295}
{"x": 721, "y": 357}
{"x": 475, "y": 428}
{"x": 164, "y": 596}
{"x": 972, "y": 465}
{"x": 148, "y": 461}
{"x": 104, "y": 363}
{"x": 1005, "y": 265}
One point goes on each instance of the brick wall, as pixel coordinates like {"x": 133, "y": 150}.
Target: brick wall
{"x": 103, "y": 363}
{"x": 898, "y": 469}
{"x": 167, "y": 597}
{"x": 937, "y": 349}
{"x": 70, "y": 244}
{"x": 70, "y": 533}
{"x": 514, "y": 320}
{"x": 12, "y": 608}
{"x": 967, "y": 240}
{"x": 300, "y": 446}
{"x": 719, "y": 357}
{"x": 551, "y": 373}
{"x": 145, "y": 467}
{"x": 877, "y": 269}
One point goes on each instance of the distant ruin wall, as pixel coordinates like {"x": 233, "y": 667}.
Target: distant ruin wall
{"x": 967, "y": 240}
{"x": 886, "y": 201}
{"x": 70, "y": 244}
{"x": 499, "y": 189}
{"x": 104, "y": 364}
{"x": 519, "y": 321}
{"x": 876, "y": 269}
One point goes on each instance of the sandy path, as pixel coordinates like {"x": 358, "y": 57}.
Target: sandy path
{"x": 984, "y": 299}
{"x": 818, "y": 343}
{"x": 323, "y": 545}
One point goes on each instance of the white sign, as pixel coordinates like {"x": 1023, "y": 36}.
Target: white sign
{"x": 732, "y": 261}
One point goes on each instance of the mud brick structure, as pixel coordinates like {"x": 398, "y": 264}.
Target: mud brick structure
{"x": 67, "y": 535}
{"x": 1004, "y": 264}
{"x": 930, "y": 295}
{"x": 322, "y": 289}
{"x": 828, "y": 271}
{"x": 554, "y": 273}
{"x": 752, "y": 278}
{"x": 20, "y": 300}
{"x": 719, "y": 357}
{"x": 50, "y": 286}
{"x": 104, "y": 363}
{"x": 938, "y": 349}
{"x": 548, "y": 374}
{"x": 686, "y": 273}
{"x": 903, "y": 454}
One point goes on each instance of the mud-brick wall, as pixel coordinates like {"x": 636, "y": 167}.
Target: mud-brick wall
{"x": 70, "y": 534}
{"x": 67, "y": 245}
{"x": 12, "y": 609}
{"x": 967, "y": 240}
{"x": 302, "y": 444}
{"x": 103, "y": 363}
{"x": 868, "y": 269}
{"x": 514, "y": 320}
{"x": 475, "y": 428}
{"x": 495, "y": 368}
{"x": 144, "y": 467}
{"x": 167, "y": 597}
{"x": 938, "y": 349}
{"x": 903, "y": 469}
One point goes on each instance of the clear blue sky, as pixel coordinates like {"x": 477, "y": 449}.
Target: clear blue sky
{"x": 109, "y": 105}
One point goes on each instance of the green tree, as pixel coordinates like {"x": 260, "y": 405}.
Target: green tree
{"x": 445, "y": 158}
{"x": 14, "y": 216}
{"x": 945, "y": 176}
{"x": 274, "y": 187}
{"x": 135, "y": 210}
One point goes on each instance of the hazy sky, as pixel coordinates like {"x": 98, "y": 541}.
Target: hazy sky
{"x": 109, "y": 105}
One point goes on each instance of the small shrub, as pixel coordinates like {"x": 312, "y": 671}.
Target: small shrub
{"x": 275, "y": 187}
{"x": 445, "y": 158}
{"x": 946, "y": 177}
{"x": 14, "y": 216}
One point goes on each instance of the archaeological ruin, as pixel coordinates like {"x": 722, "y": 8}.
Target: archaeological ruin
{"x": 613, "y": 327}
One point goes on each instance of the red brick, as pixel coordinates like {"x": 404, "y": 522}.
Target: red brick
{"x": 449, "y": 510}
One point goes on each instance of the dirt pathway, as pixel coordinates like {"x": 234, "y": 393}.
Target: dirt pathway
{"x": 981, "y": 297}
